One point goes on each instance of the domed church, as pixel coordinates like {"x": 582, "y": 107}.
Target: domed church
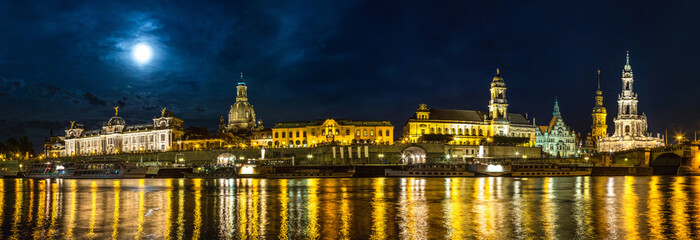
{"x": 241, "y": 117}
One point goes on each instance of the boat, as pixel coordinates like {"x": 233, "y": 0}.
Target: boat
{"x": 214, "y": 172}
{"x": 429, "y": 170}
{"x": 309, "y": 171}
{"x": 107, "y": 169}
{"x": 490, "y": 169}
{"x": 548, "y": 170}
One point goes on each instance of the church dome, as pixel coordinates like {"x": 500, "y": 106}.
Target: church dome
{"x": 116, "y": 120}
{"x": 498, "y": 80}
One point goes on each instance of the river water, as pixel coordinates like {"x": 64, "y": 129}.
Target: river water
{"x": 359, "y": 208}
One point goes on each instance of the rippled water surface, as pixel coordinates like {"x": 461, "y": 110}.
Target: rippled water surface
{"x": 377, "y": 208}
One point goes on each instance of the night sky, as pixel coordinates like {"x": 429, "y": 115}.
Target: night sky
{"x": 346, "y": 59}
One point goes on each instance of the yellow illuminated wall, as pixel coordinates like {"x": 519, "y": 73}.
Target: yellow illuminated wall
{"x": 309, "y": 134}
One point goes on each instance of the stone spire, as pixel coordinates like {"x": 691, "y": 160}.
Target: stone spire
{"x": 556, "y": 112}
{"x": 628, "y": 67}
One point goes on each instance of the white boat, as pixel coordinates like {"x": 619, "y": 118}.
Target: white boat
{"x": 491, "y": 169}
{"x": 306, "y": 172}
{"x": 429, "y": 170}
{"x": 86, "y": 170}
{"x": 548, "y": 170}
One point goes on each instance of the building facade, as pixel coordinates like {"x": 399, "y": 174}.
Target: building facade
{"x": 117, "y": 137}
{"x": 557, "y": 139}
{"x": 331, "y": 131}
{"x": 470, "y": 127}
{"x": 630, "y": 126}
{"x": 241, "y": 117}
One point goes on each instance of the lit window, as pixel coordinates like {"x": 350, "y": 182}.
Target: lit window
{"x": 364, "y": 133}
{"x": 371, "y": 133}
{"x": 357, "y": 133}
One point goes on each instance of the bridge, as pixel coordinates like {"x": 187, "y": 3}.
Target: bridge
{"x": 683, "y": 159}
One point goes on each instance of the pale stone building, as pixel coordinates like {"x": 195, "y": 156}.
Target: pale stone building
{"x": 630, "y": 126}
{"x": 117, "y": 137}
{"x": 470, "y": 127}
{"x": 557, "y": 139}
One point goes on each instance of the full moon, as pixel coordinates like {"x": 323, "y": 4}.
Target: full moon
{"x": 142, "y": 53}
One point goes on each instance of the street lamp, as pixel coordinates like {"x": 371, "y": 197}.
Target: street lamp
{"x": 679, "y": 138}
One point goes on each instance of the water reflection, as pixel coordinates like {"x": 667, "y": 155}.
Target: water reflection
{"x": 377, "y": 208}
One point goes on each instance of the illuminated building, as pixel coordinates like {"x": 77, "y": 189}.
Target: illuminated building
{"x": 470, "y": 127}
{"x": 117, "y": 137}
{"x": 241, "y": 117}
{"x": 557, "y": 139}
{"x": 261, "y": 138}
{"x": 630, "y": 127}
{"x": 55, "y": 146}
{"x": 599, "y": 128}
{"x": 330, "y": 131}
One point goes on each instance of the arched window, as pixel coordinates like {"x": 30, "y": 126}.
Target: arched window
{"x": 283, "y": 134}
{"x": 628, "y": 109}
{"x": 432, "y": 130}
{"x": 347, "y": 131}
{"x": 364, "y": 133}
{"x": 298, "y": 143}
{"x": 388, "y": 133}
{"x": 277, "y": 143}
{"x": 481, "y": 132}
{"x": 371, "y": 133}
{"x": 357, "y": 133}
{"x": 627, "y": 128}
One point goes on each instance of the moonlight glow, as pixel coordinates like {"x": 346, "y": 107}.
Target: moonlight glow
{"x": 142, "y": 53}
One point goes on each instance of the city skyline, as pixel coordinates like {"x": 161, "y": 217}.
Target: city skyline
{"x": 302, "y": 66}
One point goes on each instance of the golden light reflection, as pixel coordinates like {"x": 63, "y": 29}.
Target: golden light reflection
{"x": 54, "y": 206}
{"x": 19, "y": 199}
{"x": 454, "y": 208}
{"x": 41, "y": 212}
{"x": 284, "y": 209}
{"x": 197, "y": 231}
{"x": 345, "y": 215}
{"x": 654, "y": 214}
{"x": 253, "y": 213}
{"x": 611, "y": 212}
{"x": 629, "y": 213}
{"x": 312, "y": 229}
{"x": 678, "y": 201}
{"x": 181, "y": 210}
{"x": 93, "y": 209}
{"x": 168, "y": 208}
{"x": 548, "y": 208}
{"x": 484, "y": 217}
{"x": 142, "y": 210}
{"x": 30, "y": 209}
{"x": 73, "y": 206}
{"x": 115, "y": 218}
{"x": 243, "y": 210}
{"x": 413, "y": 210}
{"x": 378, "y": 210}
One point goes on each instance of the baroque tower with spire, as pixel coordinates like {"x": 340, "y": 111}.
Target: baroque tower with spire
{"x": 498, "y": 106}
{"x": 630, "y": 126}
{"x": 241, "y": 117}
{"x": 599, "y": 128}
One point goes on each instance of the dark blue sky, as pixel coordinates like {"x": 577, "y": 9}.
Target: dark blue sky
{"x": 62, "y": 61}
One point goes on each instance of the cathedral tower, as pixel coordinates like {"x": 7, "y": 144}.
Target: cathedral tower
{"x": 599, "y": 129}
{"x": 630, "y": 126}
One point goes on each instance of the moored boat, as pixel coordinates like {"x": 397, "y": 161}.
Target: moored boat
{"x": 429, "y": 170}
{"x": 548, "y": 170}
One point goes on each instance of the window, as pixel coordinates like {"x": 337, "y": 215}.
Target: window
{"x": 371, "y": 133}
{"x": 162, "y": 137}
{"x": 347, "y": 131}
{"x": 291, "y": 135}
{"x": 337, "y": 132}
{"x": 364, "y": 133}
{"x": 297, "y": 135}
{"x": 379, "y": 133}
{"x": 277, "y": 135}
{"x": 283, "y": 135}
{"x": 388, "y": 133}
{"x": 304, "y": 133}
{"x": 432, "y": 130}
{"x": 357, "y": 133}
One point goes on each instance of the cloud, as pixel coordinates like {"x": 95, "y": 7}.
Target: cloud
{"x": 94, "y": 100}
